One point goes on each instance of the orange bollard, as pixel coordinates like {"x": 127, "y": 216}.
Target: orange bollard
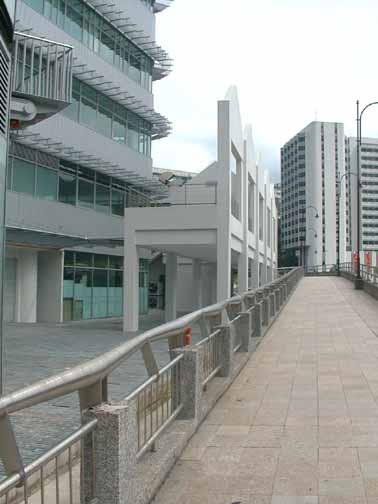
{"x": 188, "y": 336}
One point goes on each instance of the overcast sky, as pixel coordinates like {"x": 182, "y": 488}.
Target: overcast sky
{"x": 292, "y": 60}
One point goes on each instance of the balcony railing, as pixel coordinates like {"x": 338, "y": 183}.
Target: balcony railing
{"x": 42, "y": 72}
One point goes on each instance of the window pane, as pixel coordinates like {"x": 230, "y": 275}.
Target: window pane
{"x": 83, "y": 294}
{"x": 100, "y": 293}
{"x": 23, "y": 176}
{"x": 35, "y": 4}
{"x": 67, "y": 188}
{"x": 132, "y": 134}
{"x": 102, "y": 198}
{"x": 47, "y": 184}
{"x": 104, "y": 121}
{"x": 69, "y": 258}
{"x": 86, "y": 194}
{"x": 116, "y": 262}
{"x": 68, "y": 294}
{"x": 119, "y": 130}
{"x": 118, "y": 199}
{"x": 100, "y": 261}
{"x": 115, "y": 293}
{"x": 84, "y": 259}
{"x": 74, "y": 19}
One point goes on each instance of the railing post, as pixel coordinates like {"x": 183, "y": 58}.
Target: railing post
{"x": 257, "y": 320}
{"x": 226, "y": 351}
{"x": 113, "y": 453}
{"x": 245, "y": 328}
{"x": 190, "y": 385}
{"x": 272, "y": 305}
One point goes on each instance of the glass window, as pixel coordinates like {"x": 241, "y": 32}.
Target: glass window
{"x": 115, "y": 298}
{"x": 118, "y": 202}
{"x": 83, "y": 294}
{"x": 102, "y": 198}
{"x": 68, "y": 294}
{"x": 116, "y": 262}
{"x": 74, "y": 19}
{"x": 107, "y": 45}
{"x": 47, "y": 184}
{"x": 88, "y": 106}
{"x": 100, "y": 293}
{"x": 67, "y": 188}
{"x": 104, "y": 120}
{"x": 100, "y": 261}
{"x": 69, "y": 258}
{"x": 86, "y": 193}
{"x": 119, "y": 129}
{"x": 84, "y": 259}
{"x": 23, "y": 176}
{"x": 35, "y": 4}
{"x": 132, "y": 132}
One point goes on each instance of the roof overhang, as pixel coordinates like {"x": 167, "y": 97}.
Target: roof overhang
{"x": 41, "y": 239}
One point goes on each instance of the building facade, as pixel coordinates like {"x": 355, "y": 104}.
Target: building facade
{"x": 71, "y": 176}
{"x": 369, "y": 198}
{"x": 7, "y": 12}
{"x": 218, "y": 233}
{"x": 312, "y": 174}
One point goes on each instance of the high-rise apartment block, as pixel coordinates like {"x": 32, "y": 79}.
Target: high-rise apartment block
{"x": 319, "y": 174}
{"x": 312, "y": 163}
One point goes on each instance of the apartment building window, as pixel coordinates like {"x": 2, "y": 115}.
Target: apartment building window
{"x": 251, "y": 205}
{"x": 84, "y": 24}
{"x": 100, "y": 113}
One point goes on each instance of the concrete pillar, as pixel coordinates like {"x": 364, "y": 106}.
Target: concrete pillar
{"x": 27, "y": 278}
{"x": 245, "y": 327}
{"x": 191, "y": 382}
{"x": 197, "y": 285}
{"x": 243, "y": 271}
{"x": 113, "y": 453}
{"x": 131, "y": 284}
{"x": 50, "y": 286}
{"x": 170, "y": 287}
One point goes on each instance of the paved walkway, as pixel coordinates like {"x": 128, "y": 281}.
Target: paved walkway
{"x": 300, "y": 423}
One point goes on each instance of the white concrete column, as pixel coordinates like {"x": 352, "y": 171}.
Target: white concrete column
{"x": 50, "y": 286}
{"x": 131, "y": 284}
{"x": 197, "y": 284}
{"x": 27, "y": 273}
{"x": 170, "y": 287}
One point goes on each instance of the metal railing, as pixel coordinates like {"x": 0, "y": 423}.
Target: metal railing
{"x": 212, "y": 356}
{"x": 192, "y": 194}
{"x": 42, "y": 68}
{"x": 158, "y": 401}
{"x": 324, "y": 268}
{"x": 55, "y": 468}
{"x": 368, "y": 273}
{"x": 158, "y": 404}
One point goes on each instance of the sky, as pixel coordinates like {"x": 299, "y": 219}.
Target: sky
{"x": 293, "y": 62}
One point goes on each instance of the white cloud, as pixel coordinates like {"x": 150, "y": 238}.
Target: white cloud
{"x": 292, "y": 61}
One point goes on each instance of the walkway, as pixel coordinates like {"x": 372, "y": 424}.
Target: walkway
{"x": 300, "y": 423}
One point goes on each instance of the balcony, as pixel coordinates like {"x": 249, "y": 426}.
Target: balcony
{"x": 41, "y": 80}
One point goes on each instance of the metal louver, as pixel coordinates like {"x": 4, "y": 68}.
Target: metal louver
{"x": 4, "y": 88}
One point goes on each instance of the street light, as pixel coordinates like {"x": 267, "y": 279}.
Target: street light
{"x": 338, "y": 194}
{"x": 358, "y": 282}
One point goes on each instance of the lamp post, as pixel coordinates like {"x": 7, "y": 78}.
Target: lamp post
{"x": 338, "y": 194}
{"x": 358, "y": 281}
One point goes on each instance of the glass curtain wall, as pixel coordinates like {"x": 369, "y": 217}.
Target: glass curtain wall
{"x": 93, "y": 286}
{"x": 71, "y": 184}
{"x": 84, "y": 24}
{"x": 100, "y": 113}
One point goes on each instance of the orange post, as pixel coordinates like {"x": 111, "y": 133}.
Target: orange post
{"x": 188, "y": 336}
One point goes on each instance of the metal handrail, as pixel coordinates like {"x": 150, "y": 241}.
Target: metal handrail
{"x": 97, "y": 369}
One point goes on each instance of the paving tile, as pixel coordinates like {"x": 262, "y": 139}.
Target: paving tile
{"x": 343, "y": 487}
